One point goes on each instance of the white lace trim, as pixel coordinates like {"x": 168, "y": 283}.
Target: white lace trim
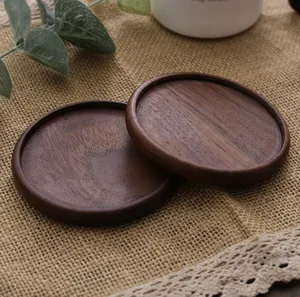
{"x": 245, "y": 270}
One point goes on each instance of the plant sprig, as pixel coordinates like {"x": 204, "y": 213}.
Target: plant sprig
{"x": 71, "y": 21}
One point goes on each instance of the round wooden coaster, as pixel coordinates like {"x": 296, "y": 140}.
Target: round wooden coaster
{"x": 78, "y": 165}
{"x": 208, "y": 129}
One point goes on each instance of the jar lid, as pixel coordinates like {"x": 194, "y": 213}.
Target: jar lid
{"x": 208, "y": 129}
{"x": 79, "y": 165}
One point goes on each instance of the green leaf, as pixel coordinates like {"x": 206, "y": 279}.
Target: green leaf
{"x": 75, "y": 23}
{"x": 46, "y": 47}
{"x": 142, "y": 7}
{"x": 19, "y": 16}
{"x": 47, "y": 15}
{"x": 5, "y": 81}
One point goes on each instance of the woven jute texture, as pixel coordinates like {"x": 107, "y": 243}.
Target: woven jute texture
{"x": 40, "y": 257}
{"x": 246, "y": 269}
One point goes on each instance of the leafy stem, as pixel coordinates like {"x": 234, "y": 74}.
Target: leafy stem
{"x": 95, "y": 3}
{"x": 72, "y": 21}
{"x": 9, "y": 52}
{"x": 21, "y": 45}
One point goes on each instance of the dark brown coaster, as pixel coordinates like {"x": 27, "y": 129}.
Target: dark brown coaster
{"x": 208, "y": 129}
{"x": 78, "y": 165}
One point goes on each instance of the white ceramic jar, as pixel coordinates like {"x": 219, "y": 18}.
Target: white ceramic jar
{"x": 207, "y": 18}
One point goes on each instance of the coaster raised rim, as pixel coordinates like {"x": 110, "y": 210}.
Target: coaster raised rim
{"x": 190, "y": 171}
{"x": 76, "y": 215}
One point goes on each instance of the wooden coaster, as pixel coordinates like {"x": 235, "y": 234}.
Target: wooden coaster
{"x": 78, "y": 165}
{"x": 208, "y": 129}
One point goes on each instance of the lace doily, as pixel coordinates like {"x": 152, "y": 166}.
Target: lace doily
{"x": 244, "y": 270}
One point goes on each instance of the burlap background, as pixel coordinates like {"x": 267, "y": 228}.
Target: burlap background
{"x": 39, "y": 257}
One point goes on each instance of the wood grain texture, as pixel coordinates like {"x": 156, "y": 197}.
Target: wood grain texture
{"x": 78, "y": 164}
{"x": 208, "y": 129}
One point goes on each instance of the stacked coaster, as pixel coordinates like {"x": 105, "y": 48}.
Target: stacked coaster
{"x": 78, "y": 164}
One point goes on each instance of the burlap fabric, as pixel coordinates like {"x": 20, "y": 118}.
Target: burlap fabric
{"x": 246, "y": 269}
{"x": 40, "y": 257}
